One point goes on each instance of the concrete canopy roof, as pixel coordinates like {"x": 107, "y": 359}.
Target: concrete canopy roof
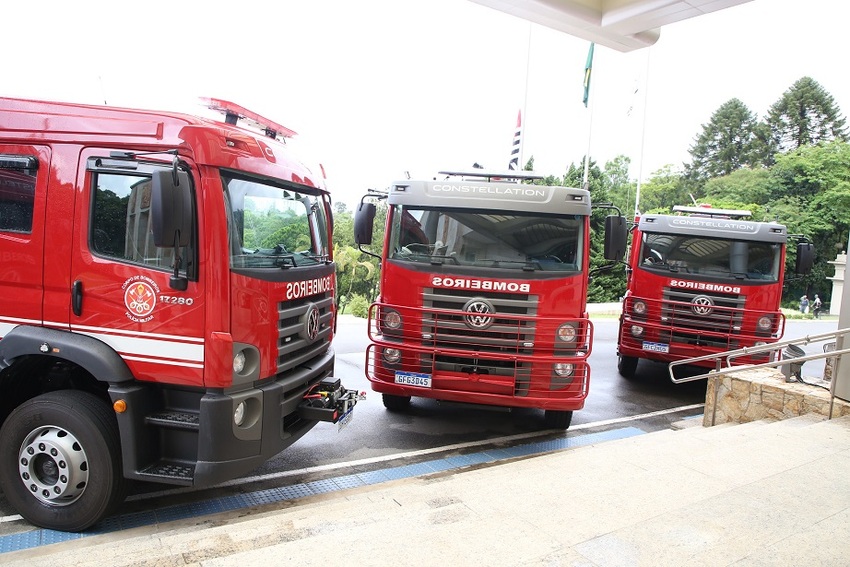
{"x": 623, "y": 25}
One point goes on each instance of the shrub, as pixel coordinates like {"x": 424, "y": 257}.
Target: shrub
{"x": 358, "y": 306}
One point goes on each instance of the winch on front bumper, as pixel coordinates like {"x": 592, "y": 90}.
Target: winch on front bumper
{"x": 330, "y": 401}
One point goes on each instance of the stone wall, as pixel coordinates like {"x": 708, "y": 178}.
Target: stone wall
{"x": 763, "y": 393}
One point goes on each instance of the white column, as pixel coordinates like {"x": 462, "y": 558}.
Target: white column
{"x": 841, "y": 376}
{"x": 840, "y": 264}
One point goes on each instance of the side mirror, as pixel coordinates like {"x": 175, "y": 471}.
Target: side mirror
{"x": 364, "y": 220}
{"x": 171, "y": 209}
{"x": 616, "y": 235}
{"x": 805, "y": 258}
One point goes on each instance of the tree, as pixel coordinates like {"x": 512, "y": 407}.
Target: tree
{"x": 665, "y": 188}
{"x": 352, "y": 274}
{"x": 805, "y": 115}
{"x": 727, "y": 143}
{"x": 608, "y": 285}
{"x": 811, "y": 195}
{"x": 620, "y": 189}
{"x": 743, "y": 186}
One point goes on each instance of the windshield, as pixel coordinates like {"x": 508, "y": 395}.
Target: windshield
{"x": 274, "y": 227}
{"x": 488, "y": 238}
{"x": 711, "y": 256}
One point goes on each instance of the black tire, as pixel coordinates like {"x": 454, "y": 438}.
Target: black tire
{"x": 396, "y": 403}
{"x": 68, "y": 432}
{"x": 558, "y": 419}
{"x": 627, "y": 365}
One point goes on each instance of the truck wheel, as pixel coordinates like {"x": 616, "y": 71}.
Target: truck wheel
{"x": 558, "y": 419}
{"x": 396, "y": 403}
{"x": 60, "y": 460}
{"x": 626, "y": 366}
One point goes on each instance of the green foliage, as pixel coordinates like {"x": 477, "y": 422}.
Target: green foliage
{"x": 358, "y": 306}
{"x": 357, "y": 274}
{"x": 666, "y": 188}
{"x": 742, "y": 186}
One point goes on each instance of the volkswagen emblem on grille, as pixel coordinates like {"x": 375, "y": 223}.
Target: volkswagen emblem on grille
{"x": 702, "y": 305}
{"x": 479, "y": 313}
{"x": 311, "y": 323}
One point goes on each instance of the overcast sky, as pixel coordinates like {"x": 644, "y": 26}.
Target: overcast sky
{"x": 377, "y": 88}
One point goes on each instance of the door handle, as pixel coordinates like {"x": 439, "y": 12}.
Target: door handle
{"x": 77, "y": 297}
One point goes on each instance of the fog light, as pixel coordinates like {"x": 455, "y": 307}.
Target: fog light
{"x": 639, "y": 307}
{"x": 239, "y": 414}
{"x": 567, "y": 333}
{"x": 637, "y": 331}
{"x": 239, "y": 362}
{"x": 564, "y": 369}
{"x": 392, "y": 355}
{"x": 764, "y": 323}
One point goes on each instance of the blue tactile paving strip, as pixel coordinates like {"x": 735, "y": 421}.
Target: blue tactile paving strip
{"x": 39, "y": 537}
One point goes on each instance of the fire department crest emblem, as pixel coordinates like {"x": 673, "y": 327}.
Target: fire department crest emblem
{"x": 140, "y": 298}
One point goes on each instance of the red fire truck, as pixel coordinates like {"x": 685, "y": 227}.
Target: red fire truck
{"x": 166, "y": 303}
{"x": 483, "y": 293}
{"x": 703, "y": 280}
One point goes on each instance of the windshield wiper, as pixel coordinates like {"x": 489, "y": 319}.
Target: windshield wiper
{"x": 285, "y": 261}
{"x": 527, "y": 265}
{"x": 315, "y": 257}
{"x": 440, "y": 259}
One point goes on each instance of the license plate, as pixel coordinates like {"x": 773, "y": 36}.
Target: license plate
{"x": 345, "y": 419}
{"x": 413, "y": 379}
{"x": 656, "y": 347}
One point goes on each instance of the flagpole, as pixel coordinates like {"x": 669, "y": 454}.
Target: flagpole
{"x": 585, "y": 183}
{"x": 588, "y": 66}
{"x": 642, "y": 134}
{"x": 521, "y": 164}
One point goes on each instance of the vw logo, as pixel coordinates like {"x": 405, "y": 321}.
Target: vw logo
{"x": 311, "y": 323}
{"x": 479, "y": 313}
{"x": 702, "y": 305}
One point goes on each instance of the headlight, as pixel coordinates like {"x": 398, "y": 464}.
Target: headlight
{"x": 392, "y": 319}
{"x": 564, "y": 369}
{"x": 392, "y": 355}
{"x": 639, "y": 307}
{"x": 567, "y": 333}
{"x": 239, "y": 362}
{"x": 765, "y": 323}
{"x": 637, "y": 330}
{"x": 239, "y": 414}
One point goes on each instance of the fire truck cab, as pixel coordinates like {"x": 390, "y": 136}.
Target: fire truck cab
{"x": 483, "y": 293}
{"x": 700, "y": 281}
{"x": 166, "y": 303}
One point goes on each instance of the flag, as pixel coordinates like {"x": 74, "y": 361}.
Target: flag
{"x": 514, "y": 162}
{"x": 587, "y": 68}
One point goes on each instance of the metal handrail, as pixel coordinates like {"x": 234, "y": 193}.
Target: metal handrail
{"x": 731, "y": 355}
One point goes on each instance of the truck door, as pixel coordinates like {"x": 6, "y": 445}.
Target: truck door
{"x": 24, "y": 173}
{"x": 120, "y": 280}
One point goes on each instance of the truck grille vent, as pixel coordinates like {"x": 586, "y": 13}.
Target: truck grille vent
{"x": 705, "y": 319}
{"x": 295, "y": 347}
